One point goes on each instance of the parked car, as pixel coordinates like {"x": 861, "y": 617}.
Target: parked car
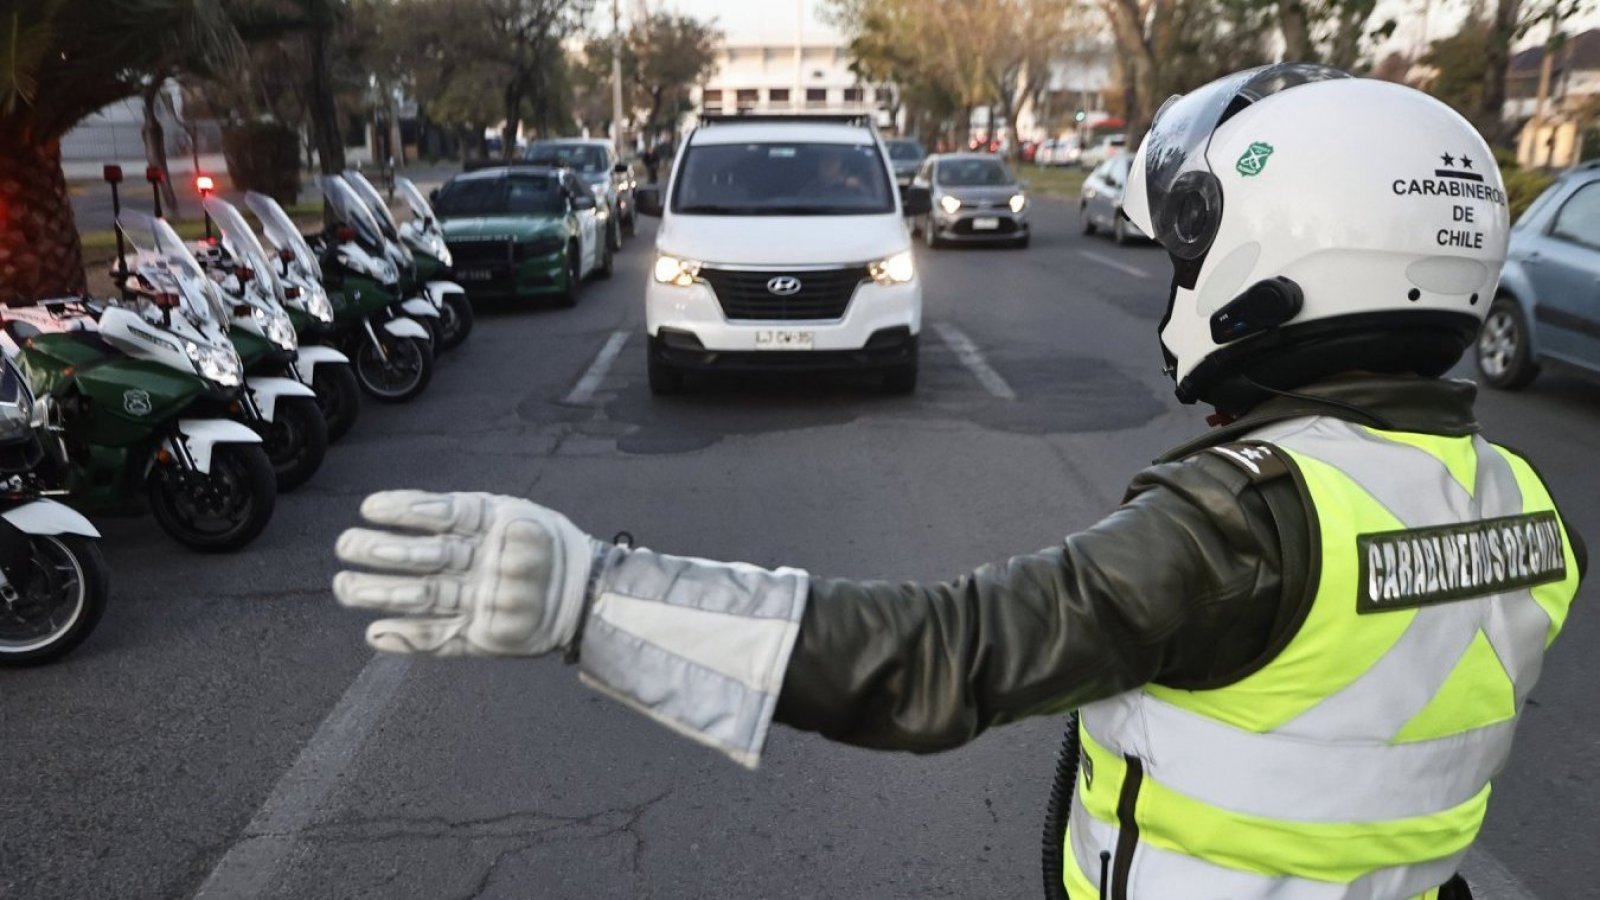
{"x": 596, "y": 163}
{"x": 1106, "y": 147}
{"x": 1548, "y": 305}
{"x": 1061, "y": 151}
{"x": 524, "y": 231}
{"x": 783, "y": 246}
{"x": 975, "y": 198}
{"x": 906, "y": 155}
{"x": 1100, "y": 202}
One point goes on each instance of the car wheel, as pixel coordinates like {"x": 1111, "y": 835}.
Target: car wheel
{"x": 630, "y": 225}
{"x": 901, "y": 379}
{"x": 1503, "y": 355}
{"x": 614, "y": 233}
{"x": 604, "y": 270}
{"x": 569, "y": 297}
{"x": 1119, "y": 230}
{"x": 664, "y": 379}
{"x": 1086, "y": 220}
{"x": 930, "y": 234}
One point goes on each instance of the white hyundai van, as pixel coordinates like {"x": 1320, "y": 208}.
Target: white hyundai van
{"x": 783, "y": 245}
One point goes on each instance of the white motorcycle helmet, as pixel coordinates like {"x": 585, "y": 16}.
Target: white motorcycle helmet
{"x": 1317, "y": 224}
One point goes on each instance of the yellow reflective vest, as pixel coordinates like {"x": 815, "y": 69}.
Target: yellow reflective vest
{"x": 1356, "y": 763}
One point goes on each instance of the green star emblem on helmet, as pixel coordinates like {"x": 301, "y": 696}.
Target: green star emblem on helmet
{"x": 1254, "y": 159}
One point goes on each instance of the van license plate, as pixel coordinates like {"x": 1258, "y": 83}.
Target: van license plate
{"x": 783, "y": 340}
{"x": 987, "y": 223}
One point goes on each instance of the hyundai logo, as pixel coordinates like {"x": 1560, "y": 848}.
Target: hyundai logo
{"x": 784, "y": 286}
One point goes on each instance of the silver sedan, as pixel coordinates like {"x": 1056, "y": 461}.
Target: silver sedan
{"x": 976, "y": 199}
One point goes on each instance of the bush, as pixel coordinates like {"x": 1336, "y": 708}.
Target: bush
{"x": 1523, "y": 186}
{"x": 264, "y": 157}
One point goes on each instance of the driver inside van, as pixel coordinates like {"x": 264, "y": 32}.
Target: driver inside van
{"x": 833, "y": 177}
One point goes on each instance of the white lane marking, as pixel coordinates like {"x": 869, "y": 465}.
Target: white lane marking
{"x": 583, "y": 392}
{"x": 1119, "y": 265}
{"x": 250, "y": 865}
{"x": 1490, "y": 880}
{"x": 971, "y": 357}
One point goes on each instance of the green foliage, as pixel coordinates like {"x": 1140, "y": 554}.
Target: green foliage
{"x": 1524, "y": 186}
{"x": 664, "y": 55}
{"x": 1458, "y": 61}
{"x": 264, "y": 157}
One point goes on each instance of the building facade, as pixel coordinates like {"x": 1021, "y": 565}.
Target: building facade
{"x": 809, "y": 75}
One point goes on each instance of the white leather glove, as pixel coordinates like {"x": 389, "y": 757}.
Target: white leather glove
{"x": 488, "y": 575}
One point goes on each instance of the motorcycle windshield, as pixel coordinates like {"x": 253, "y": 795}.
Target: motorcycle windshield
{"x": 420, "y": 207}
{"x": 374, "y": 200}
{"x": 167, "y": 263}
{"x": 347, "y": 209}
{"x": 239, "y": 239}
{"x": 284, "y": 234}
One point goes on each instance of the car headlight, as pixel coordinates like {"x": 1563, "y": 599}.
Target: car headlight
{"x": 216, "y": 363}
{"x": 949, "y": 204}
{"x": 1018, "y": 202}
{"x": 896, "y": 269}
{"x": 672, "y": 270}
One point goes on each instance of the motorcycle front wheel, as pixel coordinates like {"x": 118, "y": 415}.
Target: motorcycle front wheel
{"x": 48, "y": 610}
{"x": 338, "y": 396}
{"x": 397, "y": 374}
{"x": 455, "y": 321}
{"x": 296, "y": 440}
{"x": 220, "y": 511}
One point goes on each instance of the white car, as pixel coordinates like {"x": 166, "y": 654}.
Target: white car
{"x": 782, "y": 246}
{"x": 1102, "y": 150}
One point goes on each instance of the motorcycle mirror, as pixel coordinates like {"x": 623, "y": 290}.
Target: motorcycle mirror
{"x": 286, "y": 255}
{"x": 246, "y": 273}
{"x": 345, "y": 233}
{"x": 154, "y": 175}
{"x": 112, "y": 174}
{"x": 292, "y": 291}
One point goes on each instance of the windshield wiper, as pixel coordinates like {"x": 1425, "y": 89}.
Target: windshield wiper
{"x": 716, "y": 209}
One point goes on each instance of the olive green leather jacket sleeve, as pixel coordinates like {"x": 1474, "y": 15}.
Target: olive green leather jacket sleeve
{"x": 1181, "y": 585}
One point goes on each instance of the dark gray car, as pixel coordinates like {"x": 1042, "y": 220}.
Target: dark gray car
{"x": 1548, "y": 304}
{"x": 976, "y": 200}
{"x": 906, "y": 156}
{"x": 1100, "y": 204}
{"x": 594, "y": 161}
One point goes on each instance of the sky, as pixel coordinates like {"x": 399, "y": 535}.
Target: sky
{"x": 775, "y": 20}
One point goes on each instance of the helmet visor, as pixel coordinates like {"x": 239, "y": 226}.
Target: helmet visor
{"x": 1183, "y": 195}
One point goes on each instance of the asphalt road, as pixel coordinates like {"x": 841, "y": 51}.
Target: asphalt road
{"x": 227, "y": 733}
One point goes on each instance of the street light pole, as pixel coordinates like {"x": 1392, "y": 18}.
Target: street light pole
{"x": 616, "y": 79}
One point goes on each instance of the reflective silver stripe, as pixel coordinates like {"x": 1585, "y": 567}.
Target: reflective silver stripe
{"x": 1295, "y": 780}
{"x": 1162, "y": 874}
{"x": 699, "y": 646}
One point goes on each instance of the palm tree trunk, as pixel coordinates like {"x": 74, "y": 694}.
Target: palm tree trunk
{"x": 324, "y": 111}
{"x": 40, "y": 256}
{"x": 155, "y": 145}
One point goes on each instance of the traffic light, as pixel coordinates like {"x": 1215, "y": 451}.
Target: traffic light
{"x": 1080, "y": 116}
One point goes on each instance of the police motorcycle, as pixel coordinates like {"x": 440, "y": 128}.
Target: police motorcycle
{"x": 391, "y": 352}
{"x": 425, "y": 237}
{"x": 53, "y": 578}
{"x": 292, "y": 429}
{"x": 137, "y": 395}
{"x": 326, "y": 370}
{"x": 423, "y": 300}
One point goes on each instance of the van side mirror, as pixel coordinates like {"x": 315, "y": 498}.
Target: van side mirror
{"x": 915, "y": 200}
{"x": 647, "y": 200}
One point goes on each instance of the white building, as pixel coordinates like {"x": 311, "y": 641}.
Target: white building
{"x": 810, "y": 74}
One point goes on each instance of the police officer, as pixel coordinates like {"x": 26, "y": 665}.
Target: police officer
{"x": 1298, "y": 649}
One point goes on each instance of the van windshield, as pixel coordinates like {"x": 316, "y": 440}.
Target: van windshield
{"x": 782, "y": 179}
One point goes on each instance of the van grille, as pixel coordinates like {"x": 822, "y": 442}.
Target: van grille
{"x": 824, "y": 293}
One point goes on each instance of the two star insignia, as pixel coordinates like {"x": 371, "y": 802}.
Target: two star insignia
{"x": 1449, "y": 161}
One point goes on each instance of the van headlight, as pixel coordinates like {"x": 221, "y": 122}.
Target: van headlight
{"x": 215, "y": 363}
{"x": 949, "y": 204}
{"x": 896, "y": 269}
{"x": 675, "y": 271}
{"x": 1018, "y": 203}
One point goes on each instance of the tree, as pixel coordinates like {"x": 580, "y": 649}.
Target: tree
{"x": 1328, "y": 31}
{"x": 1458, "y": 63}
{"x": 664, "y": 56}
{"x": 60, "y": 61}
